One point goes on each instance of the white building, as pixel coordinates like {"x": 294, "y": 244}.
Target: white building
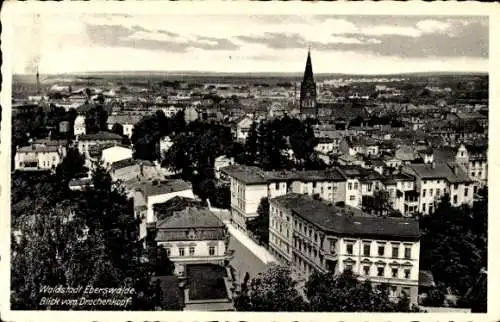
{"x": 243, "y": 128}
{"x": 474, "y": 161}
{"x": 114, "y": 154}
{"x": 314, "y": 236}
{"x": 401, "y": 188}
{"x": 436, "y": 179}
{"x": 79, "y": 127}
{"x": 193, "y": 236}
{"x": 150, "y": 193}
{"x": 38, "y": 157}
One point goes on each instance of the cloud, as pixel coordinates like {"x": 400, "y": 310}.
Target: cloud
{"x": 142, "y": 38}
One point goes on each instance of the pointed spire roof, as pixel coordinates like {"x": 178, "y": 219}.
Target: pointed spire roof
{"x": 308, "y": 73}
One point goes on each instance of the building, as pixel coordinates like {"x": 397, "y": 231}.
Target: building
{"x": 250, "y": 184}
{"x": 79, "y": 126}
{"x": 221, "y": 162}
{"x": 474, "y": 160}
{"x": 314, "y": 236}
{"x": 126, "y": 121}
{"x": 437, "y": 179}
{"x": 308, "y": 104}
{"x": 39, "y": 156}
{"x": 401, "y": 191}
{"x": 148, "y": 193}
{"x": 114, "y": 154}
{"x": 85, "y": 141}
{"x": 353, "y": 145}
{"x": 193, "y": 236}
{"x": 242, "y": 128}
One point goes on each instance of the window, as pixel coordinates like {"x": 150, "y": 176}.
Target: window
{"x": 348, "y": 267}
{"x": 431, "y": 209}
{"x": 395, "y": 251}
{"x": 466, "y": 192}
{"x": 423, "y": 193}
{"x": 473, "y": 174}
{"x": 168, "y": 251}
{"x": 349, "y": 248}
{"x": 438, "y": 192}
{"x": 314, "y": 184}
{"x": 349, "y": 186}
{"x": 352, "y": 197}
{"x": 395, "y": 273}
{"x": 191, "y": 251}
{"x": 181, "y": 251}
{"x": 430, "y": 192}
{"x": 407, "y": 273}
{"x": 475, "y": 189}
{"x": 455, "y": 186}
{"x": 455, "y": 199}
{"x": 211, "y": 250}
{"x": 366, "y": 270}
{"x": 480, "y": 174}
{"x": 369, "y": 187}
{"x": 405, "y": 291}
{"x": 407, "y": 252}
{"x": 366, "y": 249}
{"x": 424, "y": 206}
{"x": 393, "y": 290}
{"x": 355, "y": 186}
{"x": 276, "y": 185}
{"x": 380, "y": 271}
{"x": 381, "y": 250}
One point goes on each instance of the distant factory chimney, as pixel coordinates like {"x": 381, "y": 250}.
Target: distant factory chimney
{"x": 37, "y": 81}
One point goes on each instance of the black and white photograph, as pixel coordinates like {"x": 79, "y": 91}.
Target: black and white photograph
{"x": 240, "y": 161}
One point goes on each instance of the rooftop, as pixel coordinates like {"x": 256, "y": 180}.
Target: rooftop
{"x": 38, "y": 148}
{"x": 100, "y": 136}
{"x": 449, "y": 171}
{"x": 206, "y": 282}
{"x": 191, "y": 217}
{"x": 153, "y": 188}
{"x": 344, "y": 221}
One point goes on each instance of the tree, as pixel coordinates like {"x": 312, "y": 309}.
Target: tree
{"x": 117, "y": 128}
{"x": 454, "y": 243}
{"x": 72, "y": 166}
{"x": 345, "y": 293}
{"x": 259, "y": 226}
{"x": 275, "y": 291}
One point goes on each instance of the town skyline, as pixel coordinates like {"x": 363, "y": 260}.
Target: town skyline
{"x": 386, "y": 45}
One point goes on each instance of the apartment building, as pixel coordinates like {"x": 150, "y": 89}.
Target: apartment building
{"x": 44, "y": 155}
{"x": 474, "y": 160}
{"x": 315, "y": 236}
{"x": 86, "y": 141}
{"x": 401, "y": 190}
{"x": 436, "y": 179}
{"x": 359, "y": 182}
{"x": 149, "y": 193}
{"x": 193, "y": 236}
{"x": 250, "y": 184}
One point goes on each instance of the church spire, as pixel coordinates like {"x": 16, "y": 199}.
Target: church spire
{"x": 308, "y": 73}
{"x": 308, "y": 89}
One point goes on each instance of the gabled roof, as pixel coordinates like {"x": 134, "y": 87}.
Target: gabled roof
{"x": 449, "y": 171}
{"x": 103, "y": 136}
{"x": 191, "y": 217}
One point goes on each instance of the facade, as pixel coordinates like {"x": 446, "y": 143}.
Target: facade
{"x": 38, "y": 157}
{"x": 434, "y": 180}
{"x": 474, "y": 161}
{"x": 308, "y": 104}
{"x": 165, "y": 144}
{"x": 148, "y": 193}
{"x": 314, "y": 236}
{"x": 250, "y": 184}
{"x": 126, "y": 121}
{"x": 79, "y": 127}
{"x": 193, "y": 236}
{"x": 401, "y": 190}
{"x": 243, "y": 128}
{"x": 86, "y": 141}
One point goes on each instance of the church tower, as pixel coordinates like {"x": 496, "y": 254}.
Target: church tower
{"x": 308, "y": 90}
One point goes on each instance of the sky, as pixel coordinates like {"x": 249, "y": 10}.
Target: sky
{"x": 249, "y": 43}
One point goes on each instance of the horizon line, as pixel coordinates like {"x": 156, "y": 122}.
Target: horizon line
{"x": 256, "y": 73}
